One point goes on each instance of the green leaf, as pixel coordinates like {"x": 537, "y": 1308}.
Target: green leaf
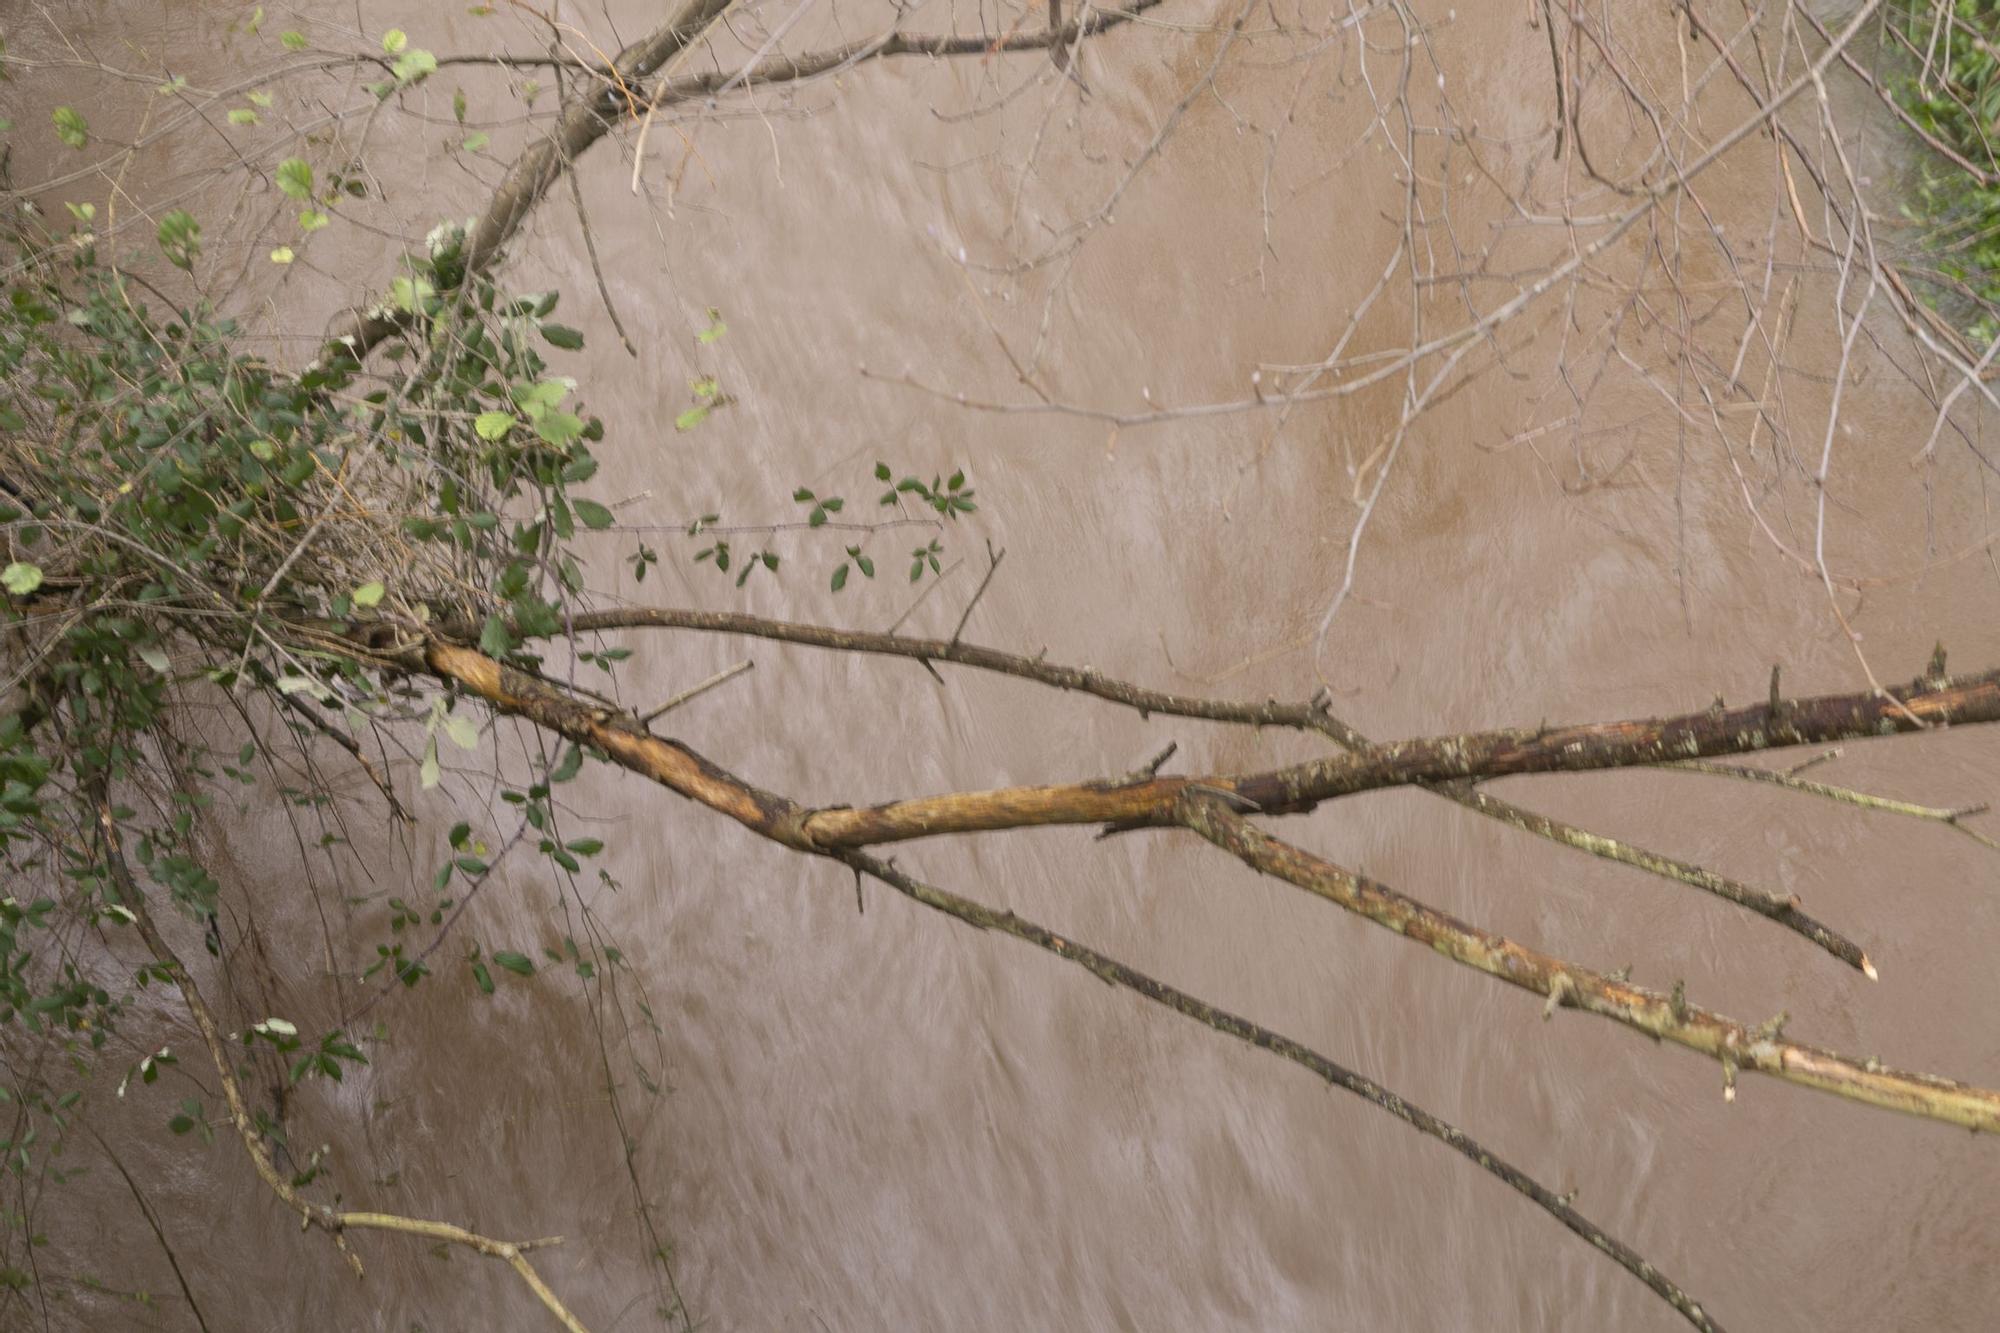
{"x": 494, "y": 640}
{"x": 493, "y": 425}
{"x": 840, "y": 577}
{"x": 429, "y": 774}
{"x": 458, "y": 105}
{"x": 482, "y": 978}
{"x": 369, "y": 594}
{"x": 295, "y": 178}
{"x": 180, "y": 238}
{"x": 716, "y": 328}
{"x": 258, "y": 97}
{"x": 293, "y": 39}
{"x": 691, "y": 418}
{"x": 242, "y": 115}
{"x": 476, "y": 141}
{"x": 593, "y": 514}
{"x": 414, "y": 64}
{"x": 559, "y": 428}
{"x": 283, "y": 255}
{"x": 569, "y": 766}
{"x": 21, "y": 578}
{"x": 586, "y": 846}
{"x": 518, "y": 963}
{"x": 312, "y": 219}
{"x": 563, "y": 336}
{"x": 394, "y": 40}
{"x": 70, "y": 127}
{"x": 410, "y": 293}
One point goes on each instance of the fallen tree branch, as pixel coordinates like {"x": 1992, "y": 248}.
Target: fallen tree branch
{"x": 1199, "y": 805}
{"x": 1311, "y": 715}
{"x": 1482, "y": 755}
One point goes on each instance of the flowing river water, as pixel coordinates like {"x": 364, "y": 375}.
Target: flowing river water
{"x": 881, "y": 1119}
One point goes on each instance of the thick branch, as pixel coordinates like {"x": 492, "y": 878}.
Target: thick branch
{"x": 1479, "y": 755}
{"x": 1203, "y": 808}
{"x": 1311, "y": 715}
{"x": 1667, "y": 1017}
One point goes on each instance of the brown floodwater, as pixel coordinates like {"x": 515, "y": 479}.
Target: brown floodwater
{"x": 881, "y": 1119}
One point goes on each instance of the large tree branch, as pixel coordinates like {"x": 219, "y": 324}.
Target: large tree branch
{"x": 1310, "y": 715}
{"x": 1204, "y": 805}
{"x": 1479, "y": 755}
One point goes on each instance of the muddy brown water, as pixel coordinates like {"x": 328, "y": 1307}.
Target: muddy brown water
{"x": 884, "y": 1120}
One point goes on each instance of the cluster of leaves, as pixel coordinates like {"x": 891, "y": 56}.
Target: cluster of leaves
{"x": 1953, "y": 93}
{"x": 179, "y": 516}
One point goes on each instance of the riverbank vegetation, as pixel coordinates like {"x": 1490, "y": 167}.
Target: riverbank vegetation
{"x": 326, "y": 578}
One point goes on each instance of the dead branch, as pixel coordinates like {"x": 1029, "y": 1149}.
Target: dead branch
{"x": 1201, "y": 804}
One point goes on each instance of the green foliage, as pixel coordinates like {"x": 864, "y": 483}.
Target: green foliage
{"x": 1954, "y": 96}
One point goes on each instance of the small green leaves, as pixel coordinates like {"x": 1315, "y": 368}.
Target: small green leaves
{"x": 242, "y": 115}
{"x": 492, "y": 426}
{"x": 180, "y": 238}
{"x": 368, "y": 594}
{"x": 476, "y": 141}
{"x": 716, "y": 328}
{"x": 292, "y": 39}
{"x": 592, "y": 514}
{"x": 412, "y": 62}
{"x": 561, "y": 335}
{"x": 458, "y": 105}
{"x": 70, "y": 127}
{"x": 21, "y": 578}
{"x": 282, "y": 255}
{"x": 949, "y": 498}
{"x": 708, "y": 396}
{"x": 312, "y": 219}
{"x": 861, "y": 562}
{"x": 295, "y": 178}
